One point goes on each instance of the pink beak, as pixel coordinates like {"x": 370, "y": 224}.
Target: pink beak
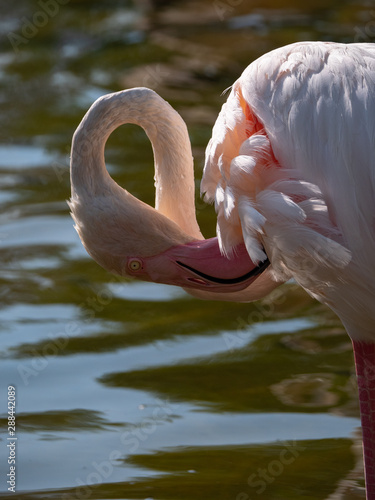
{"x": 198, "y": 265}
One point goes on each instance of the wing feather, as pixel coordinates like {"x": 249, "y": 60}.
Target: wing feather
{"x": 291, "y": 163}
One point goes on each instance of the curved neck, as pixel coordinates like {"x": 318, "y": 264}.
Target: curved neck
{"x": 174, "y": 173}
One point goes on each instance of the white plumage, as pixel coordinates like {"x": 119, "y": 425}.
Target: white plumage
{"x": 291, "y": 166}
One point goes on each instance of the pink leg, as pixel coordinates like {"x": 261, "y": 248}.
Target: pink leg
{"x": 364, "y": 355}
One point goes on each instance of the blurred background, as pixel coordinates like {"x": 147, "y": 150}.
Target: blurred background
{"x": 129, "y": 390}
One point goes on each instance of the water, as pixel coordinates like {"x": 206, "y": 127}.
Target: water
{"x": 132, "y": 390}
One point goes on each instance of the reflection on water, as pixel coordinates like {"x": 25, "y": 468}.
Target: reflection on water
{"x": 134, "y": 390}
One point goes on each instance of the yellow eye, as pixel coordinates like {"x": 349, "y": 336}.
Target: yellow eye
{"x": 135, "y": 264}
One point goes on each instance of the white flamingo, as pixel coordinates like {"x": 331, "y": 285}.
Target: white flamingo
{"x": 291, "y": 169}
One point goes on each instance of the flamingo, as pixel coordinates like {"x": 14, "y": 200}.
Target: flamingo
{"x": 291, "y": 170}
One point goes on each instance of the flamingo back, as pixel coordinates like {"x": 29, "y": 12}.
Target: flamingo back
{"x": 291, "y": 166}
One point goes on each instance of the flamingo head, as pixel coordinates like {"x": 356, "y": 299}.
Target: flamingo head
{"x": 198, "y": 265}
{"x": 132, "y": 239}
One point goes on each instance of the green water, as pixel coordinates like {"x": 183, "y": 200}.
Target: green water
{"x": 128, "y": 390}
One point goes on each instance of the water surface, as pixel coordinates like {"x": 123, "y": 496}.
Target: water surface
{"x": 131, "y": 390}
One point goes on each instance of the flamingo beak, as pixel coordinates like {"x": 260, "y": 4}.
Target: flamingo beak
{"x": 199, "y": 265}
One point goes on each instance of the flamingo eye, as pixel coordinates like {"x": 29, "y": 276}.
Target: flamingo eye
{"x": 135, "y": 264}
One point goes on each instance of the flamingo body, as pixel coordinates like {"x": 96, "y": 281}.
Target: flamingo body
{"x": 292, "y": 153}
{"x": 291, "y": 170}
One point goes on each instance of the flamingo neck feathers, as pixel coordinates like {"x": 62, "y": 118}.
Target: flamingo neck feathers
{"x": 278, "y": 210}
{"x": 174, "y": 174}
{"x": 269, "y": 206}
{"x": 291, "y": 192}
